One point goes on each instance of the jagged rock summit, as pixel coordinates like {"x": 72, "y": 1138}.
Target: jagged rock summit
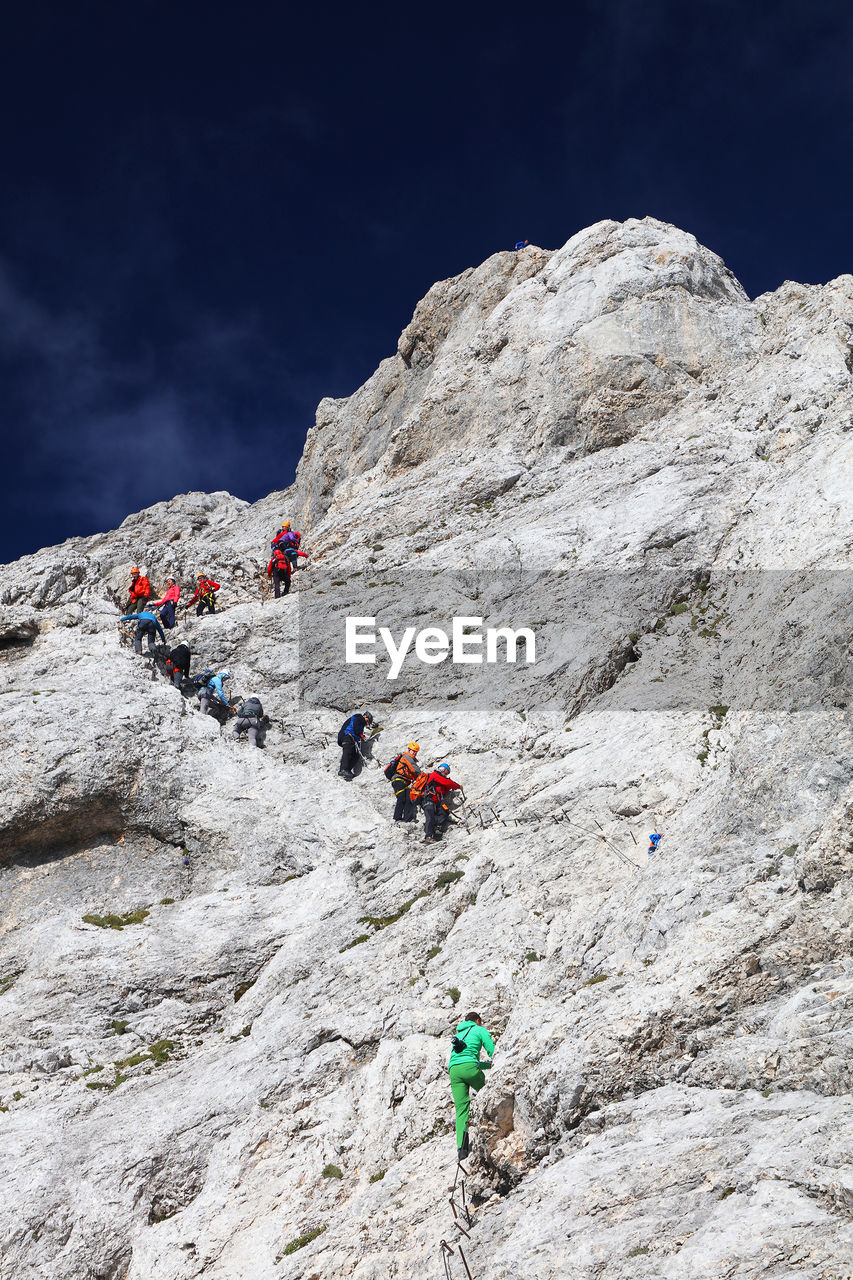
{"x": 228, "y": 982}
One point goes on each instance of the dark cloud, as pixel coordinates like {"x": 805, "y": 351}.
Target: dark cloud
{"x": 212, "y": 219}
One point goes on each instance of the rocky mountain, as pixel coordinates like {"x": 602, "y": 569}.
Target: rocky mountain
{"x": 228, "y": 981}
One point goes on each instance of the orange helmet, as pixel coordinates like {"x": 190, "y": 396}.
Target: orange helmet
{"x": 135, "y": 569}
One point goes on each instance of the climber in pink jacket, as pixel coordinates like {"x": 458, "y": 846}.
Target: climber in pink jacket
{"x": 167, "y": 604}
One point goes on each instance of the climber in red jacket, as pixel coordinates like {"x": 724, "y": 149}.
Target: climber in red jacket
{"x": 279, "y": 568}
{"x": 140, "y": 590}
{"x": 205, "y": 594}
{"x": 431, "y": 790}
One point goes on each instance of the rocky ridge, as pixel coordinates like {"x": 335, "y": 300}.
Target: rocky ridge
{"x": 611, "y": 442}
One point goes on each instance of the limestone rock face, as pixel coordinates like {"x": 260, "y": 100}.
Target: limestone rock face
{"x": 228, "y": 980}
{"x": 579, "y": 349}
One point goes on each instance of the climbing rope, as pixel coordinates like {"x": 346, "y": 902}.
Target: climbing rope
{"x": 486, "y": 815}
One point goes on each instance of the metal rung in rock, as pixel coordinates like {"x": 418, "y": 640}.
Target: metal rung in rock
{"x": 461, "y": 1214}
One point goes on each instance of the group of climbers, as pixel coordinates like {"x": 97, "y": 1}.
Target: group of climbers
{"x": 429, "y": 788}
{"x": 140, "y": 603}
{"x": 141, "y": 608}
{"x": 411, "y": 785}
{"x": 285, "y": 557}
{"x": 175, "y": 664}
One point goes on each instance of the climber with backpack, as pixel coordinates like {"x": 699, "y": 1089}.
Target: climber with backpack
{"x": 211, "y": 693}
{"x": 251, "y": 721}
{"x": 350, "y": 737}
{"x": 140, "y": 590}
{"x": 178, "y": 664}
{"x": 290, "y": 542}
{"x": 147, "y": 624}
{"x": 167, "y": 605}
{"x": 466, "y": 1072}
{"x": 429, "y": 790}
{"x": 205, "y": 594}
{"x": 281, "y": 532}
{"x": 280, "y": 568}
{"x": 401, "y": 772}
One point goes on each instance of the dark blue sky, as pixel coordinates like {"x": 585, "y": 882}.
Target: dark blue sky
{"x": 214, "y": 214}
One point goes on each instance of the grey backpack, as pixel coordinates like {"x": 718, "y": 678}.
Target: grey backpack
{"x": 252, "y": 707}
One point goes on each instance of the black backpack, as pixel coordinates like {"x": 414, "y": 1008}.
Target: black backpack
{"x": 252, "y": 707}
{"x": 459, "y": 1044}
{"x": 202, "y": 680}
{"x": 391, "y": 768}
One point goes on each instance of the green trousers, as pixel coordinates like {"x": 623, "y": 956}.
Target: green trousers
{"x": 464, "y": 1076}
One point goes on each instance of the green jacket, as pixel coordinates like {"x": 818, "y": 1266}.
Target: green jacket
{"x": 476, "y": 1038}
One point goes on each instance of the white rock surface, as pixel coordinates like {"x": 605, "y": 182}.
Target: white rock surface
{"x": 610, "y": 443}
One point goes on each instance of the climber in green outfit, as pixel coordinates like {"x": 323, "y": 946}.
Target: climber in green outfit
{"x": 466, "y": 1072}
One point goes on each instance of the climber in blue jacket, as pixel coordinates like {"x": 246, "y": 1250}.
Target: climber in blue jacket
{"x": 147, "y": 624}
{"x": 213, "y": 692}
{"x": 350, "y": 737}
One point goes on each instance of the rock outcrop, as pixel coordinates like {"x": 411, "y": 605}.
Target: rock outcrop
{"x": 228, "y": 981}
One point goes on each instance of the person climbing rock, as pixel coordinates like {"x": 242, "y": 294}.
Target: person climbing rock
{"x": 466, "y": 1072}
{"x": 290, "y": 543}
{"x": 168, "y": 604}
{"x": 251, "y": 721}
{"x": 431, "y": 789}
{"x": 147, "y": 624}
{"x": 403, "y": 770}
{"x": 140, "y": 590}
{"x": 205, "y": 594}
{"x": 654, "y": 841}
{"x": 178, "y": 664}
{"x": 350, "y": 737}
{"x": 212, "y": 693}
{"x": 280, "y": 568}
{"x": 281, "y": 532}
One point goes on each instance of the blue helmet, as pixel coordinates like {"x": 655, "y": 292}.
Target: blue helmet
{"x": 443, "y": 768}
